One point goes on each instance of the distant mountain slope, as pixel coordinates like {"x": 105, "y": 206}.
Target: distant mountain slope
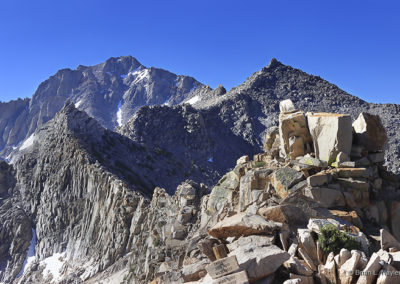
{"x": 111, "y": 92}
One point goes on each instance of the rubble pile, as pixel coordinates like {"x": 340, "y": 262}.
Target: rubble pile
{"x": 318, "y": 206}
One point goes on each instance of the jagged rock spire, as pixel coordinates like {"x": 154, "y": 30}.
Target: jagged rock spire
{"x": 274, "y": 63}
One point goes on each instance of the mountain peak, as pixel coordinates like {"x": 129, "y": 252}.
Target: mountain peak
{"x": 79, "y": 122}
{"x": 274, "y": 63}
{"x": 220, "y": 90}
{"x": 124, "y": 60}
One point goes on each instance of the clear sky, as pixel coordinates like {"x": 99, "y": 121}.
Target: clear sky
{"x": 354, "y": 44}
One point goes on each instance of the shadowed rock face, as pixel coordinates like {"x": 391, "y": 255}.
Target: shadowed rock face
{"x": 111, "y": 92}
{"x": 198, "y": 137}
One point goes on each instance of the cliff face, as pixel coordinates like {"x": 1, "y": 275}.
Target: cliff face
{"x": 12, "y": 114}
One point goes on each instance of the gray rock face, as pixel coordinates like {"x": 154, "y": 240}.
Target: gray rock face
{"x": 15, "y": 237}
{"x": 111, "y": 92}
{"x": 12, "y": 121}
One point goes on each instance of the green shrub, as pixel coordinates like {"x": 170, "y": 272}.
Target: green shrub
{"x": 157, "y": 241}
{"x": 333, "y": 240}
{"x": 258, "y": 164}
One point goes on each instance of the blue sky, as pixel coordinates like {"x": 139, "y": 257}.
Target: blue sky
{"x": 354, "y": 44}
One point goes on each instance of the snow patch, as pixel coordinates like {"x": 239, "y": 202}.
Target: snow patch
{"x": 211, "y": 160}
{"x": 30, "y": 256}
{"x": 78, "y": 103}
{"x": 119, "y": 113}
{"x": 140, "y": 75}
{"x": 193, "y": 100}
{"x": 53, "y": 265}
{"x": 131, "y": 73}
{"x": 28, "y": 142}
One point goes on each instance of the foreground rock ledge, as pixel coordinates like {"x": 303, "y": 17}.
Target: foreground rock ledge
{"x": 243, "y": 224}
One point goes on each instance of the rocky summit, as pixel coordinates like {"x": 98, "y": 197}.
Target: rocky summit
{"x": 317, "y": 206}
{"x": 284, "y": 179}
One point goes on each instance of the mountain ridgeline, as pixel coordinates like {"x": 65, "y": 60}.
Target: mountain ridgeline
{"x": 108, "y": 168}
{"x": 110, "y": 92}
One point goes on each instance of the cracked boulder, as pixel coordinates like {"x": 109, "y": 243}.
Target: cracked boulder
{"x": 259, "y": 261}
{"x": 331, "y": 134}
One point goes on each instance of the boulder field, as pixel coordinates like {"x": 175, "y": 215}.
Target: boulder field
{"x": 318, "y": 206}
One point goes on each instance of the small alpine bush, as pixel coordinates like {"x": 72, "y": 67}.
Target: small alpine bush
{"x": 258, "y": 164}
{"x": 333, "y": 240}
